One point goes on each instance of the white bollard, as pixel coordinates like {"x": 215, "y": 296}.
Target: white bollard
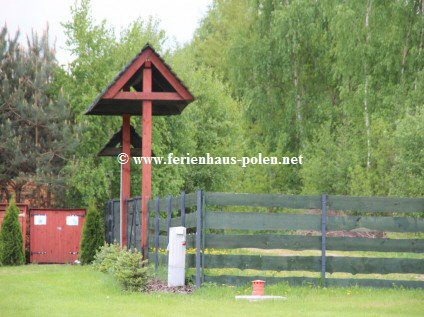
{"x": 176, "y": 256}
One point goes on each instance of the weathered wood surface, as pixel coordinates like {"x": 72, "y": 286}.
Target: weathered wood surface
{"x": 263, "y": 241}
{"x": 354, "y": 265}
{"x": 377, "y": 244}
{"x": 163, "y": 242}
{"x": 386, "y": 224}
{"x": 298, "y": 242}
{"x": 298, "y": 281}
{"x": 261, "y": 221}
{"x": 263, "y": 200}
{"x": 257, "y": 262}
{"x": 279, "y": 221}
{"x": 376, "y": 204}
{"x": 369, "y": 204}
{"x": 190, "y": 220}
{"x": 163, "y": 259}
{"x": 190, "y": 201}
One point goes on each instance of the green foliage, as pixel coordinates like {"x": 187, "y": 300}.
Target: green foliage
{"x": 130, "y": 272}
{"x": 92, "y": 236}
{"x": 37, "y": 136}
{"x": 209, "y": 125}
{"x": 325, "y": 79}
{"x": 125, "y": 265}
{"x": 408, "y": 169}
{"x": 12, "y": 252}
{"x": 106, "y": 256}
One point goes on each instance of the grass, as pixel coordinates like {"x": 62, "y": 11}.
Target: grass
{"x": 53, "y": 290}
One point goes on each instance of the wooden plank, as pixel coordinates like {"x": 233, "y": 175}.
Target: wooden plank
{"x": 163, "y": 242}
{"x": 175, "y": 222}
{"x": 261, "y": 221}
{"x": 162, "y": 224}
{"x": 377, "y": 244}
{"x": 258, "y": 262}
{"x": 263, "y": 241}
{"x": 376, "y": 204}
{"x": 190, "y": 200}
{"x": 356, "y": 265}
{"x": 175, "y": 204}
{"x": 171, "y": 78}
{"x": 135, "y": 95}
{"x": 118, "y": 150}
{"x": 247, "y": 280}
{"x": 263, "y": 200}
{"x": 191, "y": 220}
{"x": 388, "y": 224}
{"x": 377, "y": 283}
{"x": 277, "y": 221}
{"x": 298, "y": 281}
{"x": 297, "y": 242}
{"x": 163, "y": 259}
{"x": 126, "y": 76}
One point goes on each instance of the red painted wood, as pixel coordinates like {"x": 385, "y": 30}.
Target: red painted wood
{"x": 150, "y": 56}
{"x": 56, "y": 241}
{"x": 120, "y": 83}
{"x": 125, "y": 177}
{"x": 135, "y": 95}
{"x": 182, "y": 91}
{"x": 146, "y": 181}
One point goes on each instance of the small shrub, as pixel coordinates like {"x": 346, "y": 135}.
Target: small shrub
{"x": 92, "y": 236}
{"x": 125, "y": 265}
{"x": 106, "y": 256}
{"x": 12, "y": 251}
{"x": 130, "y": 272}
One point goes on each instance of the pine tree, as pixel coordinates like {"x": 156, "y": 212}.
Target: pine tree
{"x": 11, "y": 237}
{"x": 92, "y": 236}
{"x": 37, "y": 137}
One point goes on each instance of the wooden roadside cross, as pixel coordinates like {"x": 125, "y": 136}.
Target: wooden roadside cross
{"x": 145, "y": 87}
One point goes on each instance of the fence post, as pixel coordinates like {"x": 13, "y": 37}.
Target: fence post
{"x": 183, "y": 208}
{"x": 323, "y": 236}
{"x": 169, "y": 212}
{"x": 156, "y": 233}
{"x": 203, "y": 234}
{"x": 198, "y": 237}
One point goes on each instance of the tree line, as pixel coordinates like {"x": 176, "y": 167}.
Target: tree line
{"x": 338, "y": 82}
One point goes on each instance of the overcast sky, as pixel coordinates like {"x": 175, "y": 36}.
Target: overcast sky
{"x": 179, "y": 18}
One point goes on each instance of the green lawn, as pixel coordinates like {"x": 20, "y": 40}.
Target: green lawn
{"x": 52, "y": 290}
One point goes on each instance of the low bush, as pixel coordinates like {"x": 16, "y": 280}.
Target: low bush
{"x": 12, "y": 251}
{"x": 127, "y": 266}
{"x": 106, "y": 256}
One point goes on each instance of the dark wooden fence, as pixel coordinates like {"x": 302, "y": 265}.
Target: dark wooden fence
{"x": 210, "y": 227}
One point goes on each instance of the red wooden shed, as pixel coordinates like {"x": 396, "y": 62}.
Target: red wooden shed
{"x": 55, "y": 235}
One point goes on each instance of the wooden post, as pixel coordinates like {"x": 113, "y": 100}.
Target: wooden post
{"x": 146, "y": 181}
{"x": 198, "y": 238}
{"x": 182, "y": 208}
{"x": 168, "y": 213}
{"x": 125, "y": 177}
{"x": 156, "y": 233}
{"x": 323, "y": 237}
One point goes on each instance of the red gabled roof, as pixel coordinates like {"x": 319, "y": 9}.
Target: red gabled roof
{"x": 169, "y": 95}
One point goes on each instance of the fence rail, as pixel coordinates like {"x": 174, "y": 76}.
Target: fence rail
{"x": 265, "y": 230}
